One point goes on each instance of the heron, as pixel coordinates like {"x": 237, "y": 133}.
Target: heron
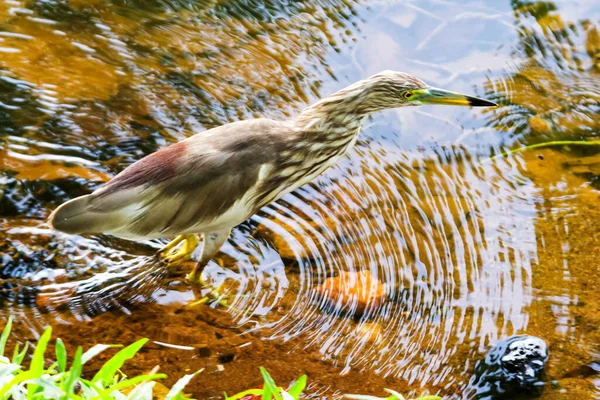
{"x": 216, "y": 179}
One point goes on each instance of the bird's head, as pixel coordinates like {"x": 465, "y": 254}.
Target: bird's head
{"x": 385, "y": 90}
{"x": 392, "y": 89}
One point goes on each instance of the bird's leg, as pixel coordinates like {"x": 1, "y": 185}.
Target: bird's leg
{"x": 212, "y": 244}
{"x": 190, "y": 242}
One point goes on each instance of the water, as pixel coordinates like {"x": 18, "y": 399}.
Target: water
{"x": 462, "y": 251}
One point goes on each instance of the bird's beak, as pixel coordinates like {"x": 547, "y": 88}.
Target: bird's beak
{"x": 433, "y": 95}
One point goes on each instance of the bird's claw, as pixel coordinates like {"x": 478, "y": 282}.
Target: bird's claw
{"x": 213, "y": 295}
{"x": 172, "y": 254}
{"x": 175, "y": 257}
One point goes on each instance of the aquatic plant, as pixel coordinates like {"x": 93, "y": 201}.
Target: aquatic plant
{"x": 393, "y": 396}
{"x": 59, "y": 382}
{"x": 544, "y": 145}
{"x": 271, "y": 391}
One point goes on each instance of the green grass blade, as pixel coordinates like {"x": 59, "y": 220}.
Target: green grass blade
{"x": 180, "y": 384}
{"x": 15, "y": 381}
{"x": 142, "y": 391}
{"x": 542, "y": 145}
{"x": 267, "y": 394}
{"x": 61, "y": 355}
{"x": 108, "y": 370}
{"x": 298, "y": 387}
{"x": 52, "y": 368}
{"x": 73, "y": 374}
{"x": 126, "y": 383}
{"x": 21, "y": 356}
{"x": 94, "y": 351}
{"x": 49, "y": 390}
{"x": 88, "y": 389}
{"x": 37, "y": 362}
{"x": 394, "y": 394}
{"x": 8, "y": 369}
{"x": 5, "y": 333}
{"x": 269, "y": 386}
{"x": 15, "y": 353}
{"x": 250, "y": 392}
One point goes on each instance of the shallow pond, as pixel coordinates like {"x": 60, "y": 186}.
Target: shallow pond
{"x": 460, "y": 249}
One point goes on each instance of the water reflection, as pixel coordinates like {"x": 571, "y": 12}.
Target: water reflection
{"x": 555, "y": 90}
{"x": 434, "y": 231}
{"x": 88, "y": 89}
{"x": 456, "y": 252}
{"x": 122, "y": 80}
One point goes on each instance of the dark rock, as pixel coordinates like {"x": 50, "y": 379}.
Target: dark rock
{"x": 227, "y": 357}
{"x": 514, "y": 367}
{"x": 204, "y": 352}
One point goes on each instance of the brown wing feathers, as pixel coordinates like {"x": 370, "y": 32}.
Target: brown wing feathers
{"x": 152, "y": 169}
{"x": 99, "y": 211}
{"x": 178, "y": 187}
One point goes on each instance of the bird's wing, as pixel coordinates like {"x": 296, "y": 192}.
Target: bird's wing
{"x": 191, "y": 182}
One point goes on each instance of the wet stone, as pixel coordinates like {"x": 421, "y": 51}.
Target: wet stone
{"x": 514, "y": 365}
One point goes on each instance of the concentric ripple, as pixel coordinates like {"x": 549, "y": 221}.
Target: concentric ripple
{"x": 449, "y": 238}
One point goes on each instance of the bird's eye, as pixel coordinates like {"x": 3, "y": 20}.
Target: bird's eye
{"x": 407, "y": 95}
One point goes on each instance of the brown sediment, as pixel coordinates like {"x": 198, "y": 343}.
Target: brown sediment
{"x": 215, "y": 342}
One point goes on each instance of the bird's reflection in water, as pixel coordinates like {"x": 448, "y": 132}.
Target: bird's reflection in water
{"x": 125, "y": 282}
{"x": 130, "y": 280}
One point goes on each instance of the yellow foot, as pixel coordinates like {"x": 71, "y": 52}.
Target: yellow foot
{"x": 171, "y": 254}
{"x": 213, "y": 296}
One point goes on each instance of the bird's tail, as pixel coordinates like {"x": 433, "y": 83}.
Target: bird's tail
{"x": 76, "y": 216}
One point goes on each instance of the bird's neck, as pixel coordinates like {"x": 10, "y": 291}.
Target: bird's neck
{"x": 339, "y": 114}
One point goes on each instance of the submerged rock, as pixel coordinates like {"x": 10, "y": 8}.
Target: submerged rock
{"x": 353, "y": 291}
{"x": 515, "y": 366}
